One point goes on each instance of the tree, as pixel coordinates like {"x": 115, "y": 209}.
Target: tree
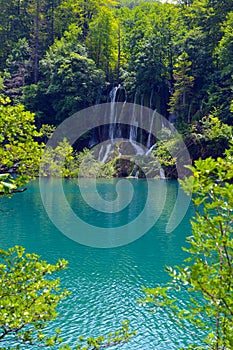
{"x": 71, "y": 80}
{"x": 208, "y": 137}
{"x": 58, "y": 161}
{"x": 152, "y": 33}
{"x": 41, "y": 19}
{"x": 102, "y": 41}
{"x": 204, "y": 20}
{"x": 28, "y": 297}
{"x": 206, "y": 275}
{"x": 18, "y": 69}
{"x": 80, "y": 13}
{"x": 13, "y": 19}
{"x": 220, "y": 93}
{"x": 32, "y": 20}
{"x": 19, "y": 152}
{"x": 183, "y": 83}
{"x": 225, "y": 47}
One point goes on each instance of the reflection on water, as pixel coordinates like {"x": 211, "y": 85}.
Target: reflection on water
{"x": 105, "y": 283}
{"x": 82, "y": 213}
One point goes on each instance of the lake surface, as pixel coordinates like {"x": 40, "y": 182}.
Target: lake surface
{"x": 105, "y": 283}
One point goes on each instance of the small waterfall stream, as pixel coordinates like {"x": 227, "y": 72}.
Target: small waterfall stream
{"x": 148, "y": 144}
{"x": 112, "y": 125}
{"x": 134, "y": 126}
{"x": 162, "y": 174}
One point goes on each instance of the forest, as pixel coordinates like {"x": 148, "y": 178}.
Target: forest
{"x": 60, "y": 56}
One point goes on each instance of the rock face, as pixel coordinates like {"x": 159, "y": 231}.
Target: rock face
{"x": 123, "y": 167}
{"x": 126, "y": 162}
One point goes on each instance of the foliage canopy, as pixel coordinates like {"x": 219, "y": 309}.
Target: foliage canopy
{"x": 205, "y": 278}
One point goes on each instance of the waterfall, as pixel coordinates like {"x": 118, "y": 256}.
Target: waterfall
{"x": 117, "y": 94}
{"x": 104, "y": 152}
{"x": 112, "y": 126}
{"x": 100, "y": 153}
{"x": 162, "y": 174}
{"x": 112, "y": 94}
{"x": 112, "y": 123}
{"x": 115, "y": 131}
{"x": 141, "y": 118}
{"x": 133, "y": 131}
{"x": 148, "y": 144}
{"x": 133, "y": 125}
{"x": 138, "y": 149}
{"x": 135, "y": 172}
{"x": 150, "y": 149}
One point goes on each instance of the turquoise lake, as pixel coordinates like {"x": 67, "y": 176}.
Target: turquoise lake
{"x": 105, "y": 283}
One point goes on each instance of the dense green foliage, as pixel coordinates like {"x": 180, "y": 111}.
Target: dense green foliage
{"x": 207, "y": 137}
{"x": 61, "y": 56}
{"x": 206, "y": 275}
{"x": 29, "y": 297}
{"x": 70, "y": 79}
{"x": 19, "y": 150}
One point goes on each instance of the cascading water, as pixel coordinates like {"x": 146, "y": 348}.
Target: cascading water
{"x": 111, "y": 123}
{"x": 150, "y": 149}
{"x": 114, "y": 130}
{"x": 141, "y": 118}
{"x": 148, "y": 144}
{"x": 133, "y": 131}
{"x": 162, "y": 174}
{"x": 117, "y": 94}
{"x": 151, "y": 99}
{"x": 134, "y": 125}
{"x": 112, "y": 126}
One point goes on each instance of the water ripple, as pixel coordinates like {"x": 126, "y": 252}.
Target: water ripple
{"x": 105, "y": 283}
